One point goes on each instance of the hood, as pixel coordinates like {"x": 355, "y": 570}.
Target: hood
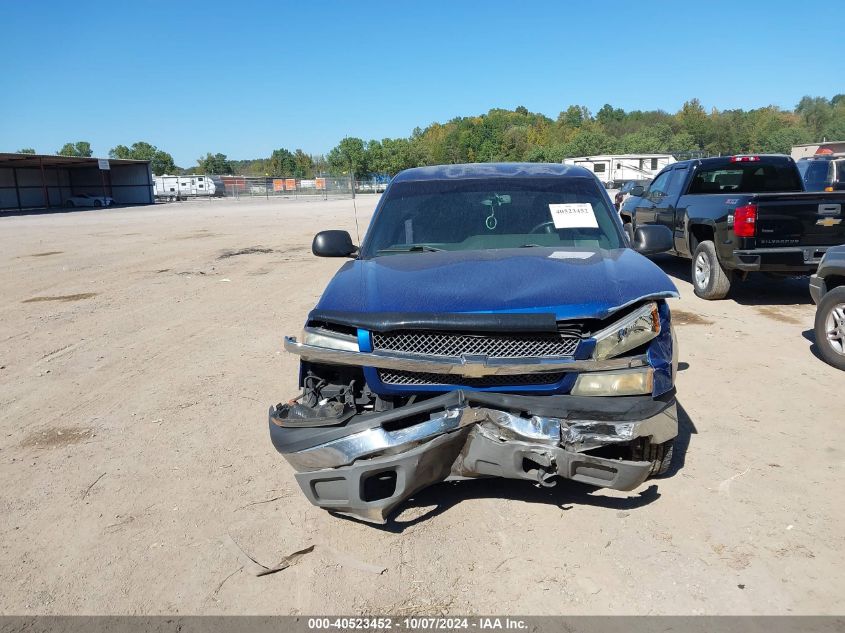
{"x": 570, "y": 283}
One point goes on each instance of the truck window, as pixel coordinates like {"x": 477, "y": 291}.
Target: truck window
{"x": 660, "y": 186}
{"x": 745, "y": 178}
{"x": 677, "y": 182}
{"x": 839, "y": 174}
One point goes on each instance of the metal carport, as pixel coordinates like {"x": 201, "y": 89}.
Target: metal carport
{"x": 43, "y": 181}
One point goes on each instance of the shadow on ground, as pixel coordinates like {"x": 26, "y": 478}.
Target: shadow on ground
{"x": 55, "y": 210}
{"x": 756, "y": 290}
{"x": 810, "y": 335}
{"x": 566, "y": 494}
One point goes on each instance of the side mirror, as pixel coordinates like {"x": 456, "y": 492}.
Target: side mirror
{"x": 638, "y": 191}
{"x": 652, "y": 239}
{"x": 333, "y": 244}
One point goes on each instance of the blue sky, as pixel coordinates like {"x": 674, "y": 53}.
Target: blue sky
{"x": 245, "y": 78}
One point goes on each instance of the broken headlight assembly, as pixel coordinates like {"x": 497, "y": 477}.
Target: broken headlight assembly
{"x": 638, "y": 327}
{"x": 318, "y": 337}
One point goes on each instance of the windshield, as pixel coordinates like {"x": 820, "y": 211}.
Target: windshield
{"x": 475, "y": 214}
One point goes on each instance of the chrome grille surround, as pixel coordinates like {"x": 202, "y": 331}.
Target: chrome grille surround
{"x": 492, "y": 345}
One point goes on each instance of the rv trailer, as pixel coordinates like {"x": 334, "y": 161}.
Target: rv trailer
{"x": 614, "y": 169}
{"x": 172, "y": 188}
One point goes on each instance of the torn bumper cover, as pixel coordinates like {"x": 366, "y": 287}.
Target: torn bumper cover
{"x": 366, "y": 465}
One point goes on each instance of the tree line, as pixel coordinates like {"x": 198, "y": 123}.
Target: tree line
{"x": 520, "y": 135}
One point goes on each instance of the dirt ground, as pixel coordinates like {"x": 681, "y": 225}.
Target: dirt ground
{"x": 141, "y": 348}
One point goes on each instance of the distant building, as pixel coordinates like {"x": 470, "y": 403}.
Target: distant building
{"x": 36, "y": 181}
{"x": 811, "y": 149}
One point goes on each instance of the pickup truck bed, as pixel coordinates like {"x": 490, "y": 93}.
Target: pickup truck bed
{"x": 734, "y": 215}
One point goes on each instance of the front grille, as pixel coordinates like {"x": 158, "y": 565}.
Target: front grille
{"x": 418, "y": 378}
{"x": 494, "y": 345}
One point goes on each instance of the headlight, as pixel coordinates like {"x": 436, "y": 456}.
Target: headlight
{"x": 632, "y": 382}
{"x": 318, "y": 337}
{"x": 637, "y": 328}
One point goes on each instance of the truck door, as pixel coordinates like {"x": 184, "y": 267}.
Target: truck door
{"x": 665, "y": 209}
{"x": 646, "y": 212}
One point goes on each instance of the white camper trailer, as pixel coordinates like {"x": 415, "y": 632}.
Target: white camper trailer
{"x": 614, "y": 169}
{"x": 191, "y": 186}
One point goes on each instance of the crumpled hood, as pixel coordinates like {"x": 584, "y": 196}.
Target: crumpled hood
{"x": 571, "y": 283}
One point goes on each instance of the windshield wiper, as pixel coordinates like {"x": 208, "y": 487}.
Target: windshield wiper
{"x": 532, "y": 246}
{"x": 412, "y": 248}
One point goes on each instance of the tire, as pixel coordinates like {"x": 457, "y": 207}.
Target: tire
{"x": 97, "y": 203}
{"x": 830, "y": 321}
{"x": 660, "y": 456}
{"x": 69, "y": 204}
{"x": 709, "y": 280}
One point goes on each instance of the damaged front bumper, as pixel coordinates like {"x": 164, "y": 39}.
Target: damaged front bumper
{"x": 367, "y": 464}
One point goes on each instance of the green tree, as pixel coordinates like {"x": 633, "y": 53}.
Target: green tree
{"x": 683, "y": 142}
{"x": 589, "y": 143}
{"x": 815, "y": 113}
{"x": 80, "y": 148}
{"x": 349, "y": 156}
{"x": 303, "y": 165}
{"x": 160, "y": 161}
{"x": 693, "y": 120}
{"x": 26, "y": 150}
{"x": 281, "y": 163}
{"x": 574, "y": 116}
{"x": 780, "y": 141}
{"x": 214, "y": 164}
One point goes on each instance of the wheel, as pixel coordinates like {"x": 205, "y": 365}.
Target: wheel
{"x": 830, "y": 327}
{"x": 69, "y": 204}
{"x": 97, "y": 203}
{"x": 661, "y": 457}
{"x": 709, "y": 279}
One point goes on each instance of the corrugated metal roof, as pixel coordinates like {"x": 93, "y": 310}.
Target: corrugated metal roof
{"x": 51, "y": 160}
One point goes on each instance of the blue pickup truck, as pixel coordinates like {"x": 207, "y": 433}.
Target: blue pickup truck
{"x": 495, "y": 321}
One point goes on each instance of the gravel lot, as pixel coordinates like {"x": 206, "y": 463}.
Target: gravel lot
{"x": 140, "y": 351}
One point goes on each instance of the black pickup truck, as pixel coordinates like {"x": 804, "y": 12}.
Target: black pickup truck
{"x": 736, "y": 214}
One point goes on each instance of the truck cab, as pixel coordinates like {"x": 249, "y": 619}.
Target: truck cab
{"x": 734, "y": 215}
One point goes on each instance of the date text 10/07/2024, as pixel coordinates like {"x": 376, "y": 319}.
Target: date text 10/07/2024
{"x": 417, "y": 623}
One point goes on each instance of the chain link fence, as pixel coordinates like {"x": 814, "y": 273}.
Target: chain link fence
{"x": 324, "y": 187}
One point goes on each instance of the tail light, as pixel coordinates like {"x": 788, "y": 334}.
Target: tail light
{"x": 745, "y": 220}
{"x": 828, "y": 188}
{"x": 743, "y": 159}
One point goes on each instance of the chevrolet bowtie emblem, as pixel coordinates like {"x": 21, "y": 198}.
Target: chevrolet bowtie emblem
{"x": 829, "y": 221}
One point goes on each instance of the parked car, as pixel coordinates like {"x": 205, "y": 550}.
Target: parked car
{"x": 87, "y": 200}
{"x": 624, "y": 192}
{"x": 737, "y": 214}
{"x": 823, "y": 173}
{"x": 827, "y": 287}
{"x": 494, "y": 322}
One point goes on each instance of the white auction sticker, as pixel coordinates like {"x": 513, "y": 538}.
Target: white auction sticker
{"x": 571, "y": 255}
{"x": 573, "y": 215}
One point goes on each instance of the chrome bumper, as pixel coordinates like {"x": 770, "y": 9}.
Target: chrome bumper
{"x": 471, "y": 366}
{"x": 464, "y": 441}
